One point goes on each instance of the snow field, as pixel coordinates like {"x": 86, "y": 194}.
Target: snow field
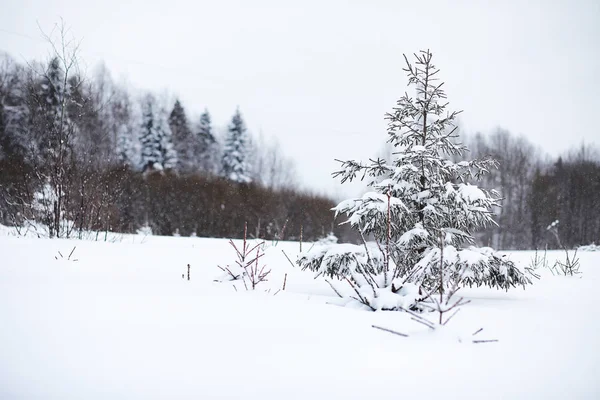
{"x": 121, "y": 323}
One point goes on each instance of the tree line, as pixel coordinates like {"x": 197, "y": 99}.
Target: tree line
{"x": 86, "y": 154}
{"x": 536, "y": 190}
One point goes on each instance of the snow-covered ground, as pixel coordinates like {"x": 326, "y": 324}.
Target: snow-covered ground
{"x": 121, "y": 323}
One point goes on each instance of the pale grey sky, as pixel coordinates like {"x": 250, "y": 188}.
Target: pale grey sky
{"x": 319, "y": 75}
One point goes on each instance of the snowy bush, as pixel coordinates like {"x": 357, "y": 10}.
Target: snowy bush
{"x": 589, "y": 247}
{"x": 145, "y": 230}
{"x": 570, "y": 266}
{"x": 421, "y": 204}
{"x": 329, "y": 239}
{"x": 247, "y": 267}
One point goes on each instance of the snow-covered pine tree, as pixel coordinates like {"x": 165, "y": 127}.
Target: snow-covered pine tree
{"x": 123, "y": 121}
{"x": 235, "y": 166}
{"x": 170, "y": 159}
{"x": 54, "y": 125}
{"x": 151, "y": 158}
{"x": 15, "y": 138}
{"x": 206, "y": 145}
{"x": 125, "y": 145}
{"x": 158, "y": 153}
{"x": 418, "y": 198}
{"x": 3, "y": 135}
{"x": 183, "y": 140}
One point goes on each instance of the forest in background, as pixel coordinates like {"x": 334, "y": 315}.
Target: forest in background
{"x": 80, "y": 155}
{"x": 537, "y": 190}
{"x": 91, "y": 154}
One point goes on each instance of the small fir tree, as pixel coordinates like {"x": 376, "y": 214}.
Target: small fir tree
{"x": 125, "y": 146}
{"x": 158, "y": 153}
{"x": 182, "y": 138}
{"x": 15, "y": 137}
{"x": 151, "y": 158}
{"x": 416, "y": 199}
{"x": 206, "y": 145}
{"x": 170, "y": 160}
{"x": 52, "y": 105}
{"x": 235, "y": 166}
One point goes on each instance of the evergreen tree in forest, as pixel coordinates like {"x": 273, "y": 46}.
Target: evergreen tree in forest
{"x": 53, "y": 127}
{"x": 170, "y": 158}
{"x": 120, "y": 115}
{"x": 158, "y": 153}
{"x": 15, "y": 139}
{"x": 53, "y": 131}
{"x": 206, "y": 145}
{"x": 235, "y": 166}
{"x": 183, "y": 140}
{"x": 567, "y": 192}
{"x": 151, "y": 157}
{"x": 125, "y": 146}
{"x": 3, "y": 135}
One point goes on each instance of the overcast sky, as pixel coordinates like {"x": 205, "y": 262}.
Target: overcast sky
{"x": 319, "y": 75}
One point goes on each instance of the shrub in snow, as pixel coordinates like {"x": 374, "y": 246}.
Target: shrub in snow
{"x": 69, "y": 257}
{"x": 570, "y": 266}
{"x": 329, "y": 239}
{"x": 49, "y": 219}
{"x": 145, "y": 230}
{"x": 538, "y": 261}
{"x": 43, "y": 204}
{"x": 589, "y": 247}
{"x": 420, "y": 205}
{"x": 247, "y": 267}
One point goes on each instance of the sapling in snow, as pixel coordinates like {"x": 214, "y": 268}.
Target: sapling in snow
{"x": 571, "y": 264}
{"x": 247, "y": 267}
{"x": 413, "y": 197}
{"x": 68, "y": 257}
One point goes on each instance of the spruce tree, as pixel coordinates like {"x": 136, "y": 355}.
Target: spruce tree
{"x": 15, "y": 138}
{"x": 235, "y": 166}
{"x": 125, "y": 145}
{"x": 4, "y": 144}
{"x": 125, "y": 142}
{"x": 420, "y": 210}
{"x": 151, "y": 158}
{"x": 170, "y": 160}
{"x": 53, "y": 108}
{"x": 156, "y": 139}
{"x": 182, "y": 138}
{"x": 206, "y": 144}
